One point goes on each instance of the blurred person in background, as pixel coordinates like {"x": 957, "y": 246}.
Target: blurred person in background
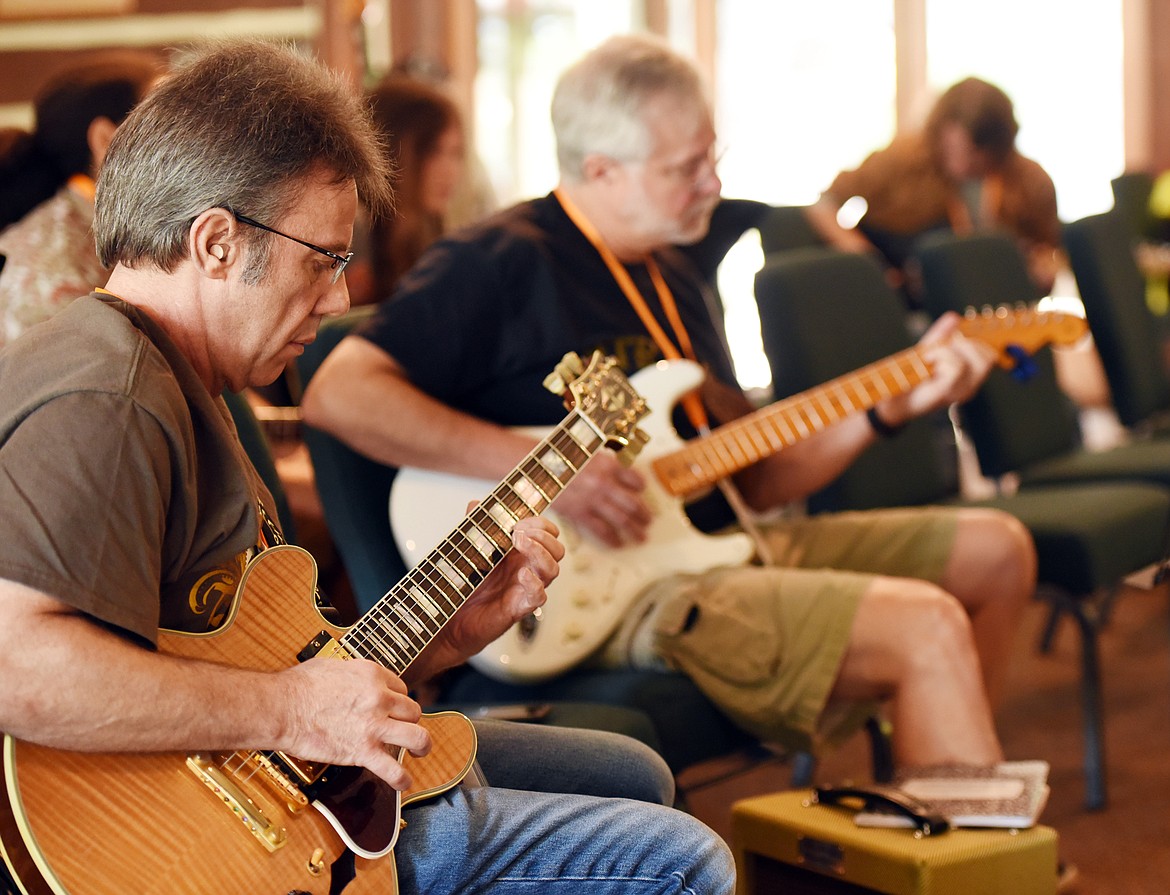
{"x": 424, "y": 138}
{"x": 960, "y": 172}
{"x": 47, "y": 185}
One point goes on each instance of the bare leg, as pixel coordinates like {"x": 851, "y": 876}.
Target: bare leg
{"x": 992, "y": 572}
{"x": 912, "y": 643}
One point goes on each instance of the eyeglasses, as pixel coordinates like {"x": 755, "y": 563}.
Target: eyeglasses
{"x": 693, "y": 171}
{"x": 340, "y": 262}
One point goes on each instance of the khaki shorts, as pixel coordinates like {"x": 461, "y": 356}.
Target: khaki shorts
{"x": 765, "y": 643}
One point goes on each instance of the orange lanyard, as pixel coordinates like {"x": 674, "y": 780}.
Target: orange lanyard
{"x": 83, "y": 185}
{"x": 691, "y": 403}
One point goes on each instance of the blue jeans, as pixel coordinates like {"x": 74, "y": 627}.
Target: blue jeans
{"x": 592, "y": 816}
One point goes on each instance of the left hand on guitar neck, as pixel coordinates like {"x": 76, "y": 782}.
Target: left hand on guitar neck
{"x": 513, "y": 590}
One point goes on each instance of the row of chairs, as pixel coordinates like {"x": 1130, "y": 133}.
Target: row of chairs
{"x": 1096, "y": 517}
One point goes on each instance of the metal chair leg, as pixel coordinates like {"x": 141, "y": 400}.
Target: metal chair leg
{"x": 1092, "y": 709}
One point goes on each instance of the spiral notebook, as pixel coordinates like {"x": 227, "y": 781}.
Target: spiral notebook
{"x": 1011, "y": 794}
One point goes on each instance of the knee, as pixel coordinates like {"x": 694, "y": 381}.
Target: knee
{"x": 706, "y": 864}
{"x": 931, "y": 625}
{"x": 1003, "y": 546}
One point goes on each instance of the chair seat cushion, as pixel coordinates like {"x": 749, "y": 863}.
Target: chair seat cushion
{"x": 1089, "y": 535}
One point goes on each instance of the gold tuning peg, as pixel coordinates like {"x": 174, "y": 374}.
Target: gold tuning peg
{"x": 566, "y": 371}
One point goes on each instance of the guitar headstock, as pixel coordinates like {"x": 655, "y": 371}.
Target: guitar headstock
{"x": 602, "y": 395}
{"x": 1012, "y": 331}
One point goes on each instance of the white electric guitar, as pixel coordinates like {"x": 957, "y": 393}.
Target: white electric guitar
{"x": 598, "y": 583}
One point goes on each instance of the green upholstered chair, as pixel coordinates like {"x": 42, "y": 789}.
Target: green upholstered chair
{"x": 825, "y": 313}
{"x": 259, "y": 451}
{"x": 786, "y": 227}
{"x": 1025, "y": 426}
{"x": 1128, "y": 337}
{"x": 1131, "y": 200}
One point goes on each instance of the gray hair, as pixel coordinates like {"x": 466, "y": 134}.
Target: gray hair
{"x": 240, "y": 125}
{"x": 598, "y": 103}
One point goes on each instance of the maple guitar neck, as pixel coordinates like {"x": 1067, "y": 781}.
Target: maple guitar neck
{"x": 745, "y": 441}
{"x": 739, "y": 444}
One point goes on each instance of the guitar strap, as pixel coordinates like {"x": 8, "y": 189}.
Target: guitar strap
{"x": 692, "y": 404}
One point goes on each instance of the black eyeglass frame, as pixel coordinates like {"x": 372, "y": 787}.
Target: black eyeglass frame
{"x": 340, "y": 262}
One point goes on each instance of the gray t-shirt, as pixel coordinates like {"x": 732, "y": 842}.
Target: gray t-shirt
{"x": 125, "y": 491}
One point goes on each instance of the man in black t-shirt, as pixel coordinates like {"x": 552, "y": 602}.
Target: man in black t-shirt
{"x": 917, "y": 607}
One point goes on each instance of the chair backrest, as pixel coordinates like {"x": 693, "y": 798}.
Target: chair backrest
{"x": 825, "y": 313}
{"x": 1131, "y": 200}
{"x": 1017, "y": 418}
{"x": 259, "y": 451}
{"x": 354, "y": 490}
{"x": 786, "y": 227}
{"x": 1126, "y": 333}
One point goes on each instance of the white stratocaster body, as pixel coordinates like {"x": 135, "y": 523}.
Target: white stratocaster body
{"x": 597, "y": 583}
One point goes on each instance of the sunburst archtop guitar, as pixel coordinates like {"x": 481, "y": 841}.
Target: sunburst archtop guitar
{"x": 598, "y": 583}
{"x": 266, "y": 823}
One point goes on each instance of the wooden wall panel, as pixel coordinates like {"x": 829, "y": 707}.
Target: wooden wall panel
{"x": 32, "y": 49}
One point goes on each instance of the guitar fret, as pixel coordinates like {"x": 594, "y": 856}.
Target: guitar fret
{"x": 499, "y": 537}
{"x": 918, "y": 365}
{"x": 532, "y": 498}
{"x": 901, "y": 378}
{"x": 546, "y": 486}
{"x": 480, "y": 536}
{"x": 830, "y": 412}
{"x": 409, "y": 620}
{"x": 449, "y": 572}
{"x": 749, "y": 440}
{"x": 803, "y": 426}
{"x": 393, "y": 633}
{"x": 379, "y": 645}
{"x": 505, "y": 516}
{"x": 457, "y": 557}
{"x": 423, "y": 600}
{"x": 585, "y": 436}
{"x": 569, "y": 457}
{"x": 438, "y": 587}
{"x": 847, "y": 406}
{"x": 861, "y": 396}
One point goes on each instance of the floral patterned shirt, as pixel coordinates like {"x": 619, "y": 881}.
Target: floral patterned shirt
{"x": 50, "y": 261}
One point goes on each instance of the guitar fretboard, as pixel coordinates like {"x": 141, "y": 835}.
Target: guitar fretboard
{"x": 415, "y": 610}
{"x": 745, "y": 441}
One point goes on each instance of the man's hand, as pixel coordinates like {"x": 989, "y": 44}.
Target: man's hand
{"x": 605, "y": 500}
{"x": 352, "y": 712}
{"x": 960, "y": 366}
{"x": 513, "y": 590}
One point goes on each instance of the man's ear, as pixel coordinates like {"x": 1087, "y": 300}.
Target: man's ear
{"x": 597, "y": 167}
{"x": 98, "y": 136}
{"x": 211, "y": 243}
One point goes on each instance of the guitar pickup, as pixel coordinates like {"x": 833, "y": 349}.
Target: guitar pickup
{"x": 324, "y": 644}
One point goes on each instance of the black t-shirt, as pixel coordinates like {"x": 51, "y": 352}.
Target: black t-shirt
{"x": 489, "y": 311}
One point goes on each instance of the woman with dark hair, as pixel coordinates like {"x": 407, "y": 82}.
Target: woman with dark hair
{"x": 962, "y": 172}
{"x": 47, "y": 185}
{"x": 424, "y": 137}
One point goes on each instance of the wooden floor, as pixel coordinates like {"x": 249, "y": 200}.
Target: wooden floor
{"x": 1122, "y": 850}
